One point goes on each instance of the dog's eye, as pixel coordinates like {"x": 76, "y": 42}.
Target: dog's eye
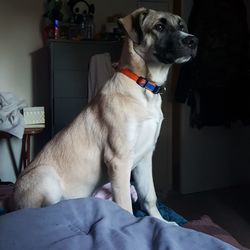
{"x": 159, "y": 27}
{"x": 181, "y": 27}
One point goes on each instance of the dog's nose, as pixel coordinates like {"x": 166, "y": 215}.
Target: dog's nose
{"x": 190, "y": 41}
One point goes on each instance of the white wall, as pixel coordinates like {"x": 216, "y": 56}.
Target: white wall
{"x": 20, "y": 35}
{"x": 108, "y": 8}
{"x": 19, "y": 28}
{"x": 211, "y": 157}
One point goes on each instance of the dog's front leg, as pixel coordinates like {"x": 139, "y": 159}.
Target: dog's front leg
{"x": 119, "y": 171}
{"x": 144, "y": 185}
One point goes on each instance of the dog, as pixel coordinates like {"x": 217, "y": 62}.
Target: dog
{"x": 115, "y": 135}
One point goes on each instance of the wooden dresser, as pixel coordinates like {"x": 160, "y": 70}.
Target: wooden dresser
{"x": 60, "y": 79}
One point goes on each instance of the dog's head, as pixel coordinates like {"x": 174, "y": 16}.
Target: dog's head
{"x": 159, "y": 36}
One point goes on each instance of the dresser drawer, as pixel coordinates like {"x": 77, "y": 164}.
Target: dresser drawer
{"x": 70, "y": 83}
{"x": 76, "y": 56}
{"x": 69, "y": 66}
{"x": 65, "y": 110}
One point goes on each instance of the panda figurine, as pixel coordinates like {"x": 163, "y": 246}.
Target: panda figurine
{"x": 80, "y": 10}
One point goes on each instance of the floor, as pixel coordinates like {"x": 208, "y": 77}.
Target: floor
{"x": 229, "y": 208}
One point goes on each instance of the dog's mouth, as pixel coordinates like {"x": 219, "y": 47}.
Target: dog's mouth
{"x": 183, "y": 59}
{"x": 185, "y": 55}
{"x": 180, "y": 56}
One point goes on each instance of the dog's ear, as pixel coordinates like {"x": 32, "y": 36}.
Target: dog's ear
{"x": 132, "y": 24}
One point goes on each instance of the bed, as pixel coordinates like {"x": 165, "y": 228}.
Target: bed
{"x": 93, "y": 223}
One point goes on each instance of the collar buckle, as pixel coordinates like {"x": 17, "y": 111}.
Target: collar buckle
{"x": 142, "y": 81}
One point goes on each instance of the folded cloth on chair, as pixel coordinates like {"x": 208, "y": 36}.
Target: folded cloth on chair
{"x": 11, "y": 120}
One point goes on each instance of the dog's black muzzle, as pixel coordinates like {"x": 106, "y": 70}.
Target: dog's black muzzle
{"x": 176, "y": 47}
{"x": 190, "y": 42}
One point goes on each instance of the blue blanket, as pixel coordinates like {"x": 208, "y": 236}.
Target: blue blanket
{"x": 167, "y": 213}
{"x": 96, "y": 224}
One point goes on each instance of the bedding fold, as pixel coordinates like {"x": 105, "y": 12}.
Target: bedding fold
{"x": 92, "y": 223}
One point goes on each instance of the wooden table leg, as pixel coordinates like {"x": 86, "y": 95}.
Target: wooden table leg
{"x": 25, "y": 154}
{"x": 26, "y": 150}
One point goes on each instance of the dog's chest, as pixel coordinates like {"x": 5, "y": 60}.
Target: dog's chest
{"x": 143, "y": 136}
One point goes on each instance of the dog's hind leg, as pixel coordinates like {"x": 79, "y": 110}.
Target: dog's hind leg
{"x": 38, "y": 187}
{"x": 52, "y": 191}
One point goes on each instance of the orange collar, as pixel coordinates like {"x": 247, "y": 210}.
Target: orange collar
{"x": 143, "y": 82}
